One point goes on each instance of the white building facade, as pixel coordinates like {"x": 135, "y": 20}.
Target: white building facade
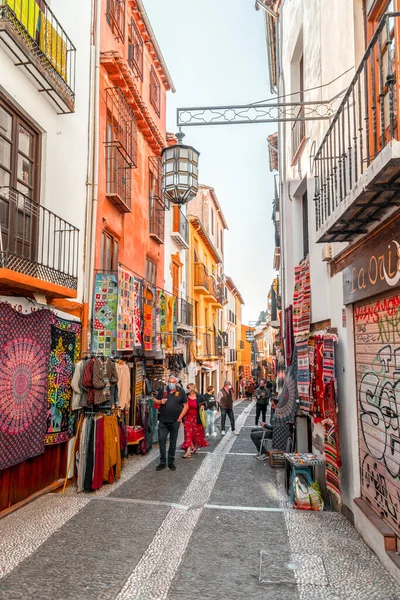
{"x": 337, "y": 205}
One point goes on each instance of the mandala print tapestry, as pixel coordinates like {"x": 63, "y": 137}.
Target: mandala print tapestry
{"x": 126, "y": 310}
{"x": 138, "y": 338}
{"x": 24, "y": 370}
{"x": 286, "y": 407}
{"x": 104, "y": 337}
{"x": 64, "y": 354}
{"x": 301, "y": 298}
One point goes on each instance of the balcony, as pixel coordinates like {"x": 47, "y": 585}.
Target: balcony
{"x": 180, "y": 229}
{"x": 208, "y": 284}
{"x": 231, "y": 317}
{"x": 358, "y": 163}
{"x": 185, "y": 314}
{"x": 156, "y": 220}
{"x": 37, "y": 244}
{"x": 31, "y": 35}
{"x": 206, "y": 346}
{"x": 230, "y": 356}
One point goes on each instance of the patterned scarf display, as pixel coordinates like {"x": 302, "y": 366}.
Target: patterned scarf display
{"x": 25, "y": 345}
{"x": 138, "y": 338}
{"x": 319, "y": 378}
{"x": 302, "y": 298}
{"x": 104, "y": 337}
{"x": 286, "y": 408}
{"x": 154, "y": 320}
{"x": 163, "y": 320}
{"x": 148, "y": 298}
{"x": 303, "y": 375}
{"x": 64, "y": 354}
{"x": 170, "y": 322}
{"x": 332, "y": 460}
{"x": 126, "y": 310}
{"x": 289, "y": 340}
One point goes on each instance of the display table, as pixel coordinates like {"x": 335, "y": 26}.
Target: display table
{"x": 300, "y": 463}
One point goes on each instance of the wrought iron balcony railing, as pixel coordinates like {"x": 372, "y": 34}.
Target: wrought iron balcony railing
{"x": 185, "y": 314}
{"x": 201, "y": 276}
{"x": 206, "y": 345}
{"x": 348, "y": 194}
{"x": 180, "y": 228}
{"x": 157, "y": 220}
{"x": 36, "y": 242}
{"x": 33, "y": 37}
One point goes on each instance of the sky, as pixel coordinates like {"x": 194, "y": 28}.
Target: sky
{"x": 216, "y": 53}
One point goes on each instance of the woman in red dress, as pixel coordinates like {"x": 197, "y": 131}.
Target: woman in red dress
{"x": 194, "y": 430}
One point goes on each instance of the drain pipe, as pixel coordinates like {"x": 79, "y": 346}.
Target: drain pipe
{"x": 92, "y": 174}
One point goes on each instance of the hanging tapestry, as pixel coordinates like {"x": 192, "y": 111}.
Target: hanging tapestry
{"x": 175, "y": 327}
{"x": 24, "y": 371}
{"x": 163, "y": 320}
{"x": 138, "y": 338}
{"x": 64, "y": 354}
{"x": 332, "y": 460}
{"x": 104, "y": 338}
{"x": 289, "y": 342}
{"x": 319, "y": 379}
{"x": 302, "y": 298}
{"x": 170, "y": 322}
{"x": 154, "y": 320}
{"x": 147, "y": 319}
{"x": 303, "y": 375}
{"x": 158, "y": 322}
{"x": 126, "y": 310}
{"x": 311, "y": 355}
{"x": 328, "y": 352}
{"x": 286, "y": 407}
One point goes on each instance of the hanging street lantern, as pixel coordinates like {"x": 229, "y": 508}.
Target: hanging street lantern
{"x": 180, "y": 173}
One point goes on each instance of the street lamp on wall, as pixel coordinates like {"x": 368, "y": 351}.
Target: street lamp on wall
{"x": 180, "y": 172}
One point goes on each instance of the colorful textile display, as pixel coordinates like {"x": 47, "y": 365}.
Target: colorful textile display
{"x": 27, "y": 13}
{"x": 163, "y": 320}
{"x": 318, "y": 401}
{"x": 170, "y": 322}
{"x": 158, "y": 322}
{"x": 154, "y": 320}
{"x": 148, "y": 299}
{"x": 64, "y": 353}
{"x": 303, "y": 375}
{"x": 302, "y": 298}
{"x": 286, "y": 407}
{"x": 24, "y": 368}
{"x": 126, "y": 310}
{"x": 138, "y": 338}
{"x": 289, "y": 340}
{"x": 104, "y": 338}
{"x": 332, "y": 460}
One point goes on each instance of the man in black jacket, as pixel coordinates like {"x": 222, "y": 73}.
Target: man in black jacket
{"x": 262, "y": 396}
{"x": 172, "y": 403}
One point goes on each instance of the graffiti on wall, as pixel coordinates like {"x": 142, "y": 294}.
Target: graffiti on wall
{"x": 377, "y": 337}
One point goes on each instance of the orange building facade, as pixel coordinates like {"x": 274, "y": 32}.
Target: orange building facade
{"x": 134, "y": 81}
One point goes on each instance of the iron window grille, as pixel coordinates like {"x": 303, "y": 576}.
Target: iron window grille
{"x": 123, "y": 123}
{"x": 115, "y": 15}
{"x": 155, "y": 92}
{"x": 186, "y": 313}
{"x": 135, "y": 50}
{"x": 118, "y": 174}
{"x": 155, "y": 181}
{"x": 156, "y": 220}
{"x": 151, "y": 271}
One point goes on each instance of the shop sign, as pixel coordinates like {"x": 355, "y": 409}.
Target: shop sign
{"x": 376, "y": 272}
{"x": 250, "y": 335}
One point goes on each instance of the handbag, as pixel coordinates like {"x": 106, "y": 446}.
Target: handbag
{"x": 203, "y": 417}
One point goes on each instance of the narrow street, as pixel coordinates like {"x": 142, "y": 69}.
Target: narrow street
{"x": 218, "y": 527}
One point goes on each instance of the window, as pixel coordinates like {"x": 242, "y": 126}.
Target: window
{"x": 115, "y": 15}
{"x": 218, "y": 238}
{"x": 151, "y": 271}
{"x": 118, "y": 172}
{"x": 156, "y": 210}
{"x": 109, "y": 252}
{"x": 304, "y": 202}
{"x": 222, "y": 241}
{"x": 212, "y": 221}
{"x": 135, "y": 50}
{"x": 155, "y": 92}
{"x": 175, "y": 271}
{"x": 19, "y": 153}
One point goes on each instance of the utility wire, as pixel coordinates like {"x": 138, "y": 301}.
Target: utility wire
{"x": 318, "y": 87}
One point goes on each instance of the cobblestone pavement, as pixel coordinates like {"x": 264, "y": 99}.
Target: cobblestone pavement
{"x": 218, "y": 527}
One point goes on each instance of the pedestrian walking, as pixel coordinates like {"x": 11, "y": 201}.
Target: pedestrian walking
{"x": 249, "y": 390}
{"x": 262, "y": 399}
{"x": 225, "y": 402}
{"x": 194, "y": 429}
{"x": 211, "y": 411}
{"x": 172, "y": 404}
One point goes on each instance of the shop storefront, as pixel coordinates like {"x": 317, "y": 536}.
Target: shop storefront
{"x": 372, "y": 286}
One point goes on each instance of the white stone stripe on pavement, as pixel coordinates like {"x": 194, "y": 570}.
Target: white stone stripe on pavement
{"x": 152, "y": 577}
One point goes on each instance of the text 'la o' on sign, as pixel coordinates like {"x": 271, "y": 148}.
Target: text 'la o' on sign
{"x": 376, "y": 272}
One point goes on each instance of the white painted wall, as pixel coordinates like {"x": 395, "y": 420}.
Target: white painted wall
{"x": 65, "y": 137}
{"x": 170, "y": 248}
